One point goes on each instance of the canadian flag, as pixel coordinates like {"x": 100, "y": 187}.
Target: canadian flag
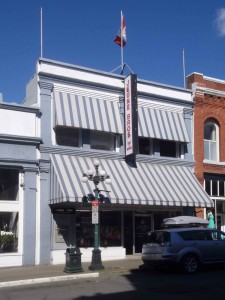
{"x": 121, "y": 38}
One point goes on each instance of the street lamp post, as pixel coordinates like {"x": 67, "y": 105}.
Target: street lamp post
{"x": 97, "y": 177}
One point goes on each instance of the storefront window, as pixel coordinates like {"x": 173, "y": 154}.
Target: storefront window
{"x": 110, "y": 229}
{"x": 84, "y": 230}
{"x": 8, "y": 231}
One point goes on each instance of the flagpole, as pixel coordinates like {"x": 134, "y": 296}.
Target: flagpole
{"x": 121, "y": 28}
{"x": 184, "y": 69}
{"x": 41, "y": 35}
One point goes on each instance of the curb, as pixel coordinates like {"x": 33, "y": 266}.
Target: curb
{"x": 47, "y": 279}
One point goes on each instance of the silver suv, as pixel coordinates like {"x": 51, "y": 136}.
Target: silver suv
{"x": 186, "y": 247}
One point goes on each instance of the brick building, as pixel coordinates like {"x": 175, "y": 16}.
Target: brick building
{"x": 209, "y": 140}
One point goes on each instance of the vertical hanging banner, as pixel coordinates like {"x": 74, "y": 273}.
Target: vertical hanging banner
{"x": 131, "y": 115}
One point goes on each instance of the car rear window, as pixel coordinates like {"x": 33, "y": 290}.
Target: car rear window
{"x": 158, "y": 237}
{"x": 195, "y": 235}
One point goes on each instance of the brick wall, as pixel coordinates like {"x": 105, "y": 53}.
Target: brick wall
{"x": 207, "y": 104}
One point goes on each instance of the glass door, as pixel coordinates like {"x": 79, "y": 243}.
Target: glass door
{"x": 142, "y": 226}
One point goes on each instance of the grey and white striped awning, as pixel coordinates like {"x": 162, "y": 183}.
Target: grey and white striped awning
{"x": 87, "y": 113}
{"x": 160, "y": 124}
{"x": 147, "y": 184}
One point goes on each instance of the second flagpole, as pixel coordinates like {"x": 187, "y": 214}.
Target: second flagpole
{"x": 121, "y": 35}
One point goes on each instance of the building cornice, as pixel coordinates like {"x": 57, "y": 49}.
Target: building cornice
{"x": 49, "y": 70}
{"x": 17, "y": 107}
{"x": 14, "y": 139}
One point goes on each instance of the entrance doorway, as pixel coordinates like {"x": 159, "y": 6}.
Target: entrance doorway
{"x": 128, "y": 232}
{"x": 143, "y": 224}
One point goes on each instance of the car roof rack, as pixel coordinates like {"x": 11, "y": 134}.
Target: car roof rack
{"x": 184, "y": 221}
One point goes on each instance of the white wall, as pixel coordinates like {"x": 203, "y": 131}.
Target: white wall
{"x": 17, "y": 123}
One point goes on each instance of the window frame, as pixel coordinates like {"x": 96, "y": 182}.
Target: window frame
{"x": 210, "y": 143}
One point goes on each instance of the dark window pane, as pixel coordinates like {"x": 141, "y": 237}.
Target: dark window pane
{"x": 9, "y": 184}
{"x": 214, "y": 188}
{"x": 144, "y": 146}
{"x": 221, "y": 188}
{"x": 102, "y": 141}
{"x": 66, "y": 136}
{"x": 168, "y": 148}
{"x": 158, "y": 237}
{"x": 207, "y": 186}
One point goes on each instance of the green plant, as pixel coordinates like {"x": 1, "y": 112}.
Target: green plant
{"x": 5, "y": 238}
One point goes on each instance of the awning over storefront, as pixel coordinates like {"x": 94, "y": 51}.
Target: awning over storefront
{"x": 147, "y": 184}
{"x": 87, "y": 113}
{"x": 160, "y": 124}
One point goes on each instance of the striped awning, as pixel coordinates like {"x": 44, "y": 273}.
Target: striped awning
{"x": 146, "y": 184}
{"x": 160, "y": 124}
{"x": 87, "y": 113}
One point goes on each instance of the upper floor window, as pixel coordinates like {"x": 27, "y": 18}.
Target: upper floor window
{"x": 159, "y": 147}
{"x": 211, "y": 136}
{"x": 144, "y": 146}
{"x": 215, "y": 186}
{"x": 67, "y": 136}
{"x": 168, "y": 148}
{"x": 102, "y": 140}
{"x": 90, "y": 139}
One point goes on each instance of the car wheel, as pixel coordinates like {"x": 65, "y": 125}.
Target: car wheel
{"x": 190, "y": 263}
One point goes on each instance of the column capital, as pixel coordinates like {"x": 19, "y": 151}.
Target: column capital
{"x": 46, "y": 87}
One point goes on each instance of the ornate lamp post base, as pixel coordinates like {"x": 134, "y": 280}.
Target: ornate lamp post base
{"x": 96, "y": 262}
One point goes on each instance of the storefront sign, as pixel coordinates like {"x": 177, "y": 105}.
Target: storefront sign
{"x": 130, "y": 115}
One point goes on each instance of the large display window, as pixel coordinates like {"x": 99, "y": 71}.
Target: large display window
{"x": 110, "y": 229}
{"x": 9, "y": 232}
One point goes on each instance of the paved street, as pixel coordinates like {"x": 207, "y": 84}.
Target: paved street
{"x": 116, "y": 283}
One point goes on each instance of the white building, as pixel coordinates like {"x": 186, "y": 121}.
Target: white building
{"x": 81, "y": 115}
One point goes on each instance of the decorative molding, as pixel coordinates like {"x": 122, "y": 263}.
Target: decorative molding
{"x": 17, "y": 163}
{"x": 46, "y": 85}
{"x": 22, "y": 108}
{"x": 14, "y": 139}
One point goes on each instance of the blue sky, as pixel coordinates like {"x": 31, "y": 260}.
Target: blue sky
{"x": 81, "y": 32}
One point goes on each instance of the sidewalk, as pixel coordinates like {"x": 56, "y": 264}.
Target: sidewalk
{"x": 24, "y": 275}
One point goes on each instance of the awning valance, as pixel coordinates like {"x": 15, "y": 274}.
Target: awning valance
{"x": 147, "y": 184}
{"x": 87, "y": 113}
{"x": 160, "y": 124}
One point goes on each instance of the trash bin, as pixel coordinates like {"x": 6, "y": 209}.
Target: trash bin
{"x": 73, "y": 260}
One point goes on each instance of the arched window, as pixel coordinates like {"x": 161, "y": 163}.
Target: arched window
{"x": 211, "y": 138}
